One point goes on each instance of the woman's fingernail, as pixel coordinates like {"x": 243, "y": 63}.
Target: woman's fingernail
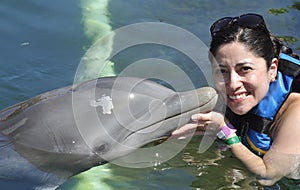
{"x": 194, "y": 117}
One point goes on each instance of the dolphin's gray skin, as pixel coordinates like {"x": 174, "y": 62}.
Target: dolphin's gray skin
{"x": 47, "y": 139}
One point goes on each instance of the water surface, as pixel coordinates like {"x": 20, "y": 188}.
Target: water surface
{"x": 42, "y": 43}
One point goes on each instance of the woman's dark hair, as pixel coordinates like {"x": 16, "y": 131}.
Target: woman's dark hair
{"x": 257, "y": 40}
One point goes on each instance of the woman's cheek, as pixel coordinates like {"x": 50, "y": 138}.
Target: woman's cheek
{"x": 220, "y": 86}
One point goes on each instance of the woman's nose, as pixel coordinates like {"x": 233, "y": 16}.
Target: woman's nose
{"x": 234, "y": 81}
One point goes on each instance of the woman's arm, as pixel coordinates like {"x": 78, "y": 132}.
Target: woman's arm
{"x": 283, "y": 156}
{"x": 262, "y": 167}
{"x": 271, "y": 168}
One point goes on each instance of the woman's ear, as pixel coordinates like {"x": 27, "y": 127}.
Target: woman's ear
{"x": 273, "y": 69}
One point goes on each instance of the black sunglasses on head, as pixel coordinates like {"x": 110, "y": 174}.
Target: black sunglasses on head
{"x": 250, "y": 20}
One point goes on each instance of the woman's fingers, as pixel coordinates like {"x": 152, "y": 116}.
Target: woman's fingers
{"x": 200, "y": 122}
{"x": 188, "y": 129}
{"x": 203, "y": 117}
{"x": 210, "y": 117}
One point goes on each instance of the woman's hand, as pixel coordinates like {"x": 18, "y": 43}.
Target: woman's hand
{"x": 201, "y": 122}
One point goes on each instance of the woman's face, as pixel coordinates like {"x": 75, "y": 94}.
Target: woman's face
{"x": 241, "y": 77}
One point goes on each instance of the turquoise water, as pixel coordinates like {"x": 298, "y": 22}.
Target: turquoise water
{"x": 43, "y": 41}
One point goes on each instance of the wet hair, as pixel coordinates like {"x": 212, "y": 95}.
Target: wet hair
{"x": 258, "y": 40}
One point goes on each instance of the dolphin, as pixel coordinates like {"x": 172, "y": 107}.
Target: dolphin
{"x": 58, "y": 134}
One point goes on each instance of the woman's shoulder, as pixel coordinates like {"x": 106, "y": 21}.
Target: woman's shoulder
{"x": 290, "y": 108}
{"x": 286, "y": 131}
{"x": 293, "y": 102}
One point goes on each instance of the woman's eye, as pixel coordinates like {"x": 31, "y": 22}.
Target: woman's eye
{"x": 220, "y": 71}
{"x": 223, "y": 71}
{"x": 221, "y": 74}
{"x": 244, "y": 69}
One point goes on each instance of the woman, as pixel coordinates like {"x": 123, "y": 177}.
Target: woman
{"x": 262, "y": 118}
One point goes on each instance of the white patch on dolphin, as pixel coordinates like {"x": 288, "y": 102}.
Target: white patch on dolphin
{"x": 105, "y": 102}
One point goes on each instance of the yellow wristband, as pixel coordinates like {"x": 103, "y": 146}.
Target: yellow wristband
{"x": 233, "y": 140}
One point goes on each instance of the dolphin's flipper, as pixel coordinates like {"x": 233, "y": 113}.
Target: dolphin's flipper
{"x": 63, "y": 132}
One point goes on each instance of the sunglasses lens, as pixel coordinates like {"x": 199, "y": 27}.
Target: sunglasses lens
{"x": 247, "y": 20}
{"x": 250, "y": 20}
{"x": 220, "y": 24}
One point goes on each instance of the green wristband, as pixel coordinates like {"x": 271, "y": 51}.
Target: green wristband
{"x": 233, "y": 140}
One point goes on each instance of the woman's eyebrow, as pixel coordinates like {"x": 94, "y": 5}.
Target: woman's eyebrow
{"x": 237, "y": 65}
{"x": 219, "y": 65}
{"x": 244, "y": 63}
